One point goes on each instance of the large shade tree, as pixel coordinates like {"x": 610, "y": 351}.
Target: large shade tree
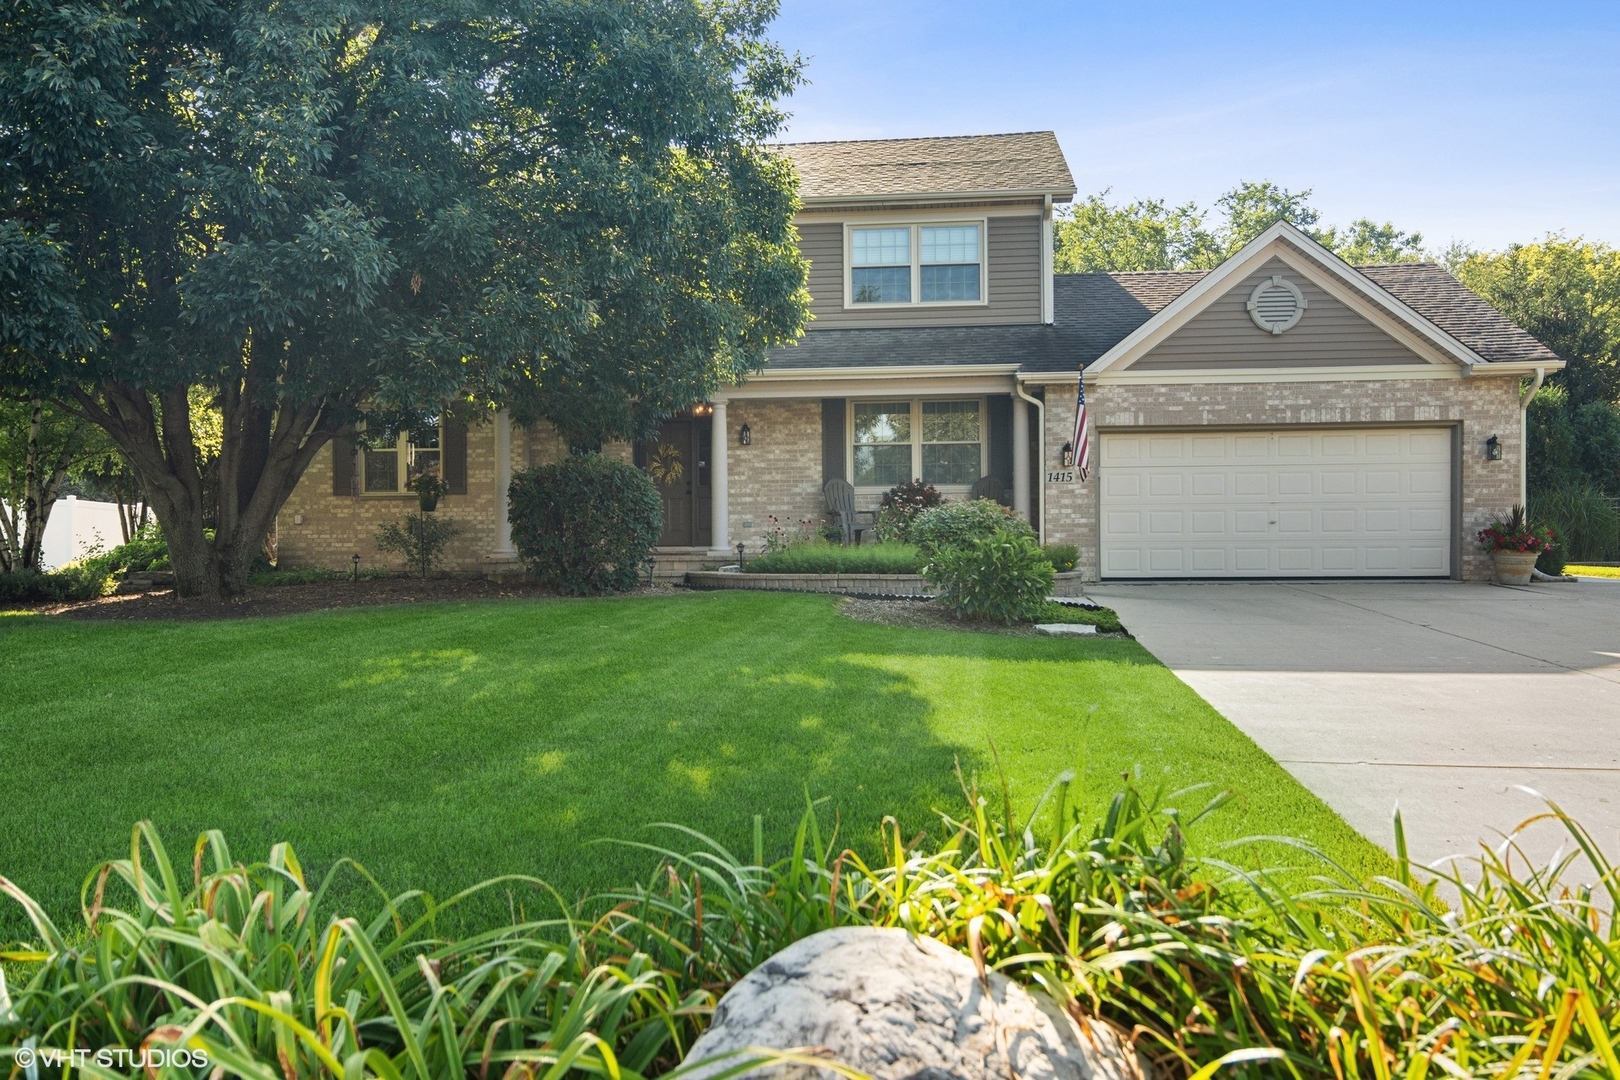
{"x": 328, "y": 214}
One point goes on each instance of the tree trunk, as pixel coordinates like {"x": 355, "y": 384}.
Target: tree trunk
{"x": 265, "y": 452}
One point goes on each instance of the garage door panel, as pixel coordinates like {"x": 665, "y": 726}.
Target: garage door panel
{"x": 1370, "y": 502}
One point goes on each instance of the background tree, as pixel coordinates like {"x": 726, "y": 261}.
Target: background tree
{"x": 308, "y": 213}
{"x": 1151, "y": 235}
{"x": 41, "y": 446}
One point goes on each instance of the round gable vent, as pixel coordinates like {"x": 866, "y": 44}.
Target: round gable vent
{"x": 1276, "y": 304}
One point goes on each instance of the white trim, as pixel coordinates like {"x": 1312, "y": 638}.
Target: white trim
{"x": 719, "y": 478}
{"x": 910, "y": 217}
{"x": 1364, "y": 373}
{"x": 915, "y": 228}
{"x": 895, "y": 371}
{"x": 1048, "y": 300}
{"x": 503, "y": 482}
{"x": 936, "y": 196}
{"x": 930, "y": 383}
{"x": 916, "y": 404}
{"x": 1326, "y": 271}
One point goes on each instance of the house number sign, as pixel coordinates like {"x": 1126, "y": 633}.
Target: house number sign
{"x": 1065, "y": 476}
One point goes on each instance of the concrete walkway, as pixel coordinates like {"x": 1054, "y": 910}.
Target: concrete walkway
{"x": 1439, "y": 696}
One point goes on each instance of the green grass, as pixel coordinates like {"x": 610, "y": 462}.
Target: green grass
{"x": 1592, "y": 571}
{"x": 441, "y": 744}
{"x": 820, "y": 558}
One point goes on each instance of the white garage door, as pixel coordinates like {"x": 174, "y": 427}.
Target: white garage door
{"x": 1289, "y": 503}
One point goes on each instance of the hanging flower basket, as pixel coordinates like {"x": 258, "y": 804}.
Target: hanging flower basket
{"x": 429, "y": 490}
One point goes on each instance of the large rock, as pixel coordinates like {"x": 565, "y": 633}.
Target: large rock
{"x": 899, "y": 1007}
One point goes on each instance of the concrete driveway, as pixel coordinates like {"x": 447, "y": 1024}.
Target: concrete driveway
{"x": 1439, "y": 696}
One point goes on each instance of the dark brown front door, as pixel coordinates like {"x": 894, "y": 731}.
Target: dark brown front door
{"x": 678, "y": 463}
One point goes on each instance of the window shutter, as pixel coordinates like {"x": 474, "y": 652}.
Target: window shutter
{"x": 343, "y": 466}
{"x": 454, "y": 450}
{"x": 998, "y": 424}
{"x": 832, "y": 440}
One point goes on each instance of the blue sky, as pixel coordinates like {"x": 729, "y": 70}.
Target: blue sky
{"x": 1483, "y": 122}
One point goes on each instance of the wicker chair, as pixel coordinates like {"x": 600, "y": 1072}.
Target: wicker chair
{"x": 841, "y": 505}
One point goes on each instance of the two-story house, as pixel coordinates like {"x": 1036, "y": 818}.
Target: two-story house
{"x": 1284, "y": 414}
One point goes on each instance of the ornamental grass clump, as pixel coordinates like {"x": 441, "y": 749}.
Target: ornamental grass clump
{"x": 1490, "y": 968}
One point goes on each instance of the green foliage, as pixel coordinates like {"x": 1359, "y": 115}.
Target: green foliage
{"x": 956, "y": 524}
{"x": 1003, "y": 577}
{"x": 899, "y": 506}
{"x": 1567, "y": 294}
{"x": 313, "y": 576}
{"x": 586, "y": 523}
{"x": 1147, "y": 234}
{"x": 1063, "y": 557}
{"x": 1572, "y": 444}
{"x": 1585, "y": 522}
{"x": 420, "y": 540}
{"x": 1104, "y": 619}
{"x": 73, "y": 582}
{"x": 146, "y": 550}
{"x": 1475, "y": 970}
{"x": 298, "y": 210}
{"x": 825, "y": 558}
{"x": 1516, "y": 532}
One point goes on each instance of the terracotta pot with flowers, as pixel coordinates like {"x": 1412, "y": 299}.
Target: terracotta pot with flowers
{"x": 1514, "y": 544}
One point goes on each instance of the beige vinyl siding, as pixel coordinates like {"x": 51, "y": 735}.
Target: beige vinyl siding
{"x": 1223, "y": 336}
{"x": 1012, "y": 291}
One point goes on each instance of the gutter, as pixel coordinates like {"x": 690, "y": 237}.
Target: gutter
{"x": 1525, "y": 397}
{"x": 1040, "y": 441}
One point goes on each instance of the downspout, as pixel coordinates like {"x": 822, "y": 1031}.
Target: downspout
{"x": 1524, "y": 434}
{"x": 1040, "y": 441}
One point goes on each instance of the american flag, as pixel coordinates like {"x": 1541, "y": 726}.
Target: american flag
{"x": 1082, "y": 433}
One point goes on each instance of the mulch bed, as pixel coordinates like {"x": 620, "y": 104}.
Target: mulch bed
{"x": 291, "y": 599}
{"x": 927, "y": 615}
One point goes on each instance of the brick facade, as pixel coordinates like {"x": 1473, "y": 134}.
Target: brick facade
{"x": 1481, "y": 406}
{"x": 779, "y": 472}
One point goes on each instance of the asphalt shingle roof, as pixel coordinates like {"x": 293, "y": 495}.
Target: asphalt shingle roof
{"x": 1094, "y": 312}
{"x": 1459, "y": 311}
{"x": 1029, "y": 161}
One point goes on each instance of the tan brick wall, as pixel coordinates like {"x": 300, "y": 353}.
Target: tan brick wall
{"x": 1483, "y": 407}
{"x": 779, "y": 472}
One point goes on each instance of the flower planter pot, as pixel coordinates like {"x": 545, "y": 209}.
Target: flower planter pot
{"x": 1513, "y": 567}
{"x": 429, "y": 505}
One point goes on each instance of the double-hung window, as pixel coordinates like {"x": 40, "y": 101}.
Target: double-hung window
{"x": 940, "y": 441}
{"x": 929, "y": 264}
{"x": 389, "y": 465}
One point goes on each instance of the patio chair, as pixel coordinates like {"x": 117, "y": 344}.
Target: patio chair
{"x": 989, "y": 487}
{"x": 841, "y": 505}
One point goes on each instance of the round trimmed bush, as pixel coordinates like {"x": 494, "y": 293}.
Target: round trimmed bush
{"x": 957, "y": 524}
{"x": 1005, "y": 577}
{"x": 585, "y": 523}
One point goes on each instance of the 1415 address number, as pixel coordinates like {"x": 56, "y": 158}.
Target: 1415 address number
{"x": 1066, "y": 476}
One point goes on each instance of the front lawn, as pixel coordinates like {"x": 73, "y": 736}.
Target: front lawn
{"x": 441, "y": 744}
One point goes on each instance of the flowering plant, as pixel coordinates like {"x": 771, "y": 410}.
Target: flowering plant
{"x": 780, "y": 539}
{"x": 1516, "y": 533}
{"x": 900, "y": 506}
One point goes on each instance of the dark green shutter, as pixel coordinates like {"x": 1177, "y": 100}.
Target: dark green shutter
{"x": 998, "y": 434}
{"x": 454, "y": 452}
{"x": 343, "y": 467}
{"x": 832, "y": 440}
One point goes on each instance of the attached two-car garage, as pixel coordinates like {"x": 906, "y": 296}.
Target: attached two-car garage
{"x": 1288, "y": 502}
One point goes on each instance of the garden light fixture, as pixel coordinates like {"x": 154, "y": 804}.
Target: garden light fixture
{"x": 739, "y": 552}
{"x": 356, "y": 577}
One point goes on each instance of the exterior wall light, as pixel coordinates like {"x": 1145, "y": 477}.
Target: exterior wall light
{"x": 1493, "y": 449}
{"x": 1068, "y": 455}
{"x": 745, "y": 437}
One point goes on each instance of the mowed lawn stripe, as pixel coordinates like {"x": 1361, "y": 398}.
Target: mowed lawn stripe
{"x": 441, "y": 744}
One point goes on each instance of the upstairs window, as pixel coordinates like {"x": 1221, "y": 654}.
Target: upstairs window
{"x": 929, "y": 264}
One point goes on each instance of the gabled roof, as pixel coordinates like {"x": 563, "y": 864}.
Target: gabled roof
{"x": 1384, "y": 306}
{"x": 1459, "y": 311}
{"x": 1027, "y": 163}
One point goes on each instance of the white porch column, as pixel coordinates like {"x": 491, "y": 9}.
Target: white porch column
{"x": 503, "y": 481}
{"x": 1020, "y": 441}
{"x": 719, "y": 479}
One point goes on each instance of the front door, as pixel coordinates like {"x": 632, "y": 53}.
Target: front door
{"x": 678, "y": 462}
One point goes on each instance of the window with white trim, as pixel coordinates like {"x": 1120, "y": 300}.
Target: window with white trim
{"x": 941, "y": 441}
{"x": 388, "y": 467}
{"x": 929, "y": 264}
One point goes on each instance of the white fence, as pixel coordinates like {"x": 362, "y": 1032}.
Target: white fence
{"x": 78, "y": 527}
